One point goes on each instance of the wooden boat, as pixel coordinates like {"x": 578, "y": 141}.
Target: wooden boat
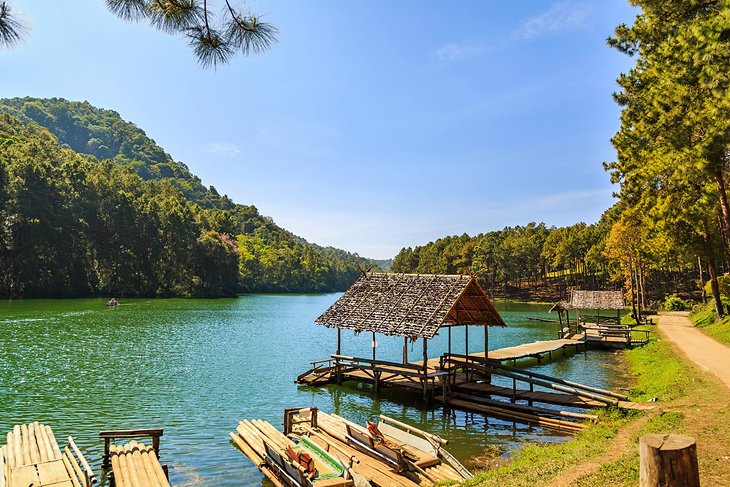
{"x": 391, "y": 453}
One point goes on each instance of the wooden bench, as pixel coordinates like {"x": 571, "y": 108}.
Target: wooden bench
{"x": 32, "y": 457}
{"x": 134, "y": 464}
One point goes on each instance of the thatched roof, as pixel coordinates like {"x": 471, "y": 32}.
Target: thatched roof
{"x": 597, "y": 300}
{"x": 411, "y": 304}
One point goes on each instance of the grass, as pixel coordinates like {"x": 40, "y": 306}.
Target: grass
{"x": 535, "y": 463}
{"x": 705, "y": 319}
{"x": 658, "y": 373}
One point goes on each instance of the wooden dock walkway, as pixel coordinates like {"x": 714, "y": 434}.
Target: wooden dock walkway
{"x": 465, "y": 382}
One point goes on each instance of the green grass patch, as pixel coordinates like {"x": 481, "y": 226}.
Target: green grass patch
{"x": 625, "y": 470}
{"x": 659, "y": 373}
{"x": 535, "y": 464}
{"x": 705, "y": 319}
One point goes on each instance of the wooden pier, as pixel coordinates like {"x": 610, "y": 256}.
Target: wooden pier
{"x": 417, "y": 306}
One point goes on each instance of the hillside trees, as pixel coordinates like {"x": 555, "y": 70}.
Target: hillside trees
{"x": 71, "y": 225}
{"x": 674, "y": 143}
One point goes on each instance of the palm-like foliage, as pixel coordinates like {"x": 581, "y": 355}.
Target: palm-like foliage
{"x": 12, "y": 29}
{"x": 214, "y": 35}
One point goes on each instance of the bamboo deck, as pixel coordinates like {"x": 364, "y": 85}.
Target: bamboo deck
{"x": 32, "y": 457}
{"x": 136, "y": 465}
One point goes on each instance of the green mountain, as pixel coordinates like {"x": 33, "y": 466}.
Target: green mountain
{"x": 90, "y": 205}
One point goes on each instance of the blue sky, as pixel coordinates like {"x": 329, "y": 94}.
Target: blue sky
{"x": 371, "y": 125}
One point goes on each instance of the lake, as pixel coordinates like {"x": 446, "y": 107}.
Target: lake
{"x": 197, "y": 367}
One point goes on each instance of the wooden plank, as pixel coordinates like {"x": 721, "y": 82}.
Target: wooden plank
{"x": 44, "y": 444}
{"x": 24, "y": 445}
{"x": 35, "y": 454}
{"x": 82, "y": 460}
{"x": 53, "y": 471}
{"x": 24, "y": 476}
{"x": 136, "y": 433}
{"x": 77, "y": 472}
{"x": 114, "y": 454}
{"x": 54, "y": 444}
{"x": 136, "y": 465}
{"x": 149, "y": 455}
{"x": 71, "y": 472}
{"x": 10, "y": 451}
{"x": 3, "y": 465}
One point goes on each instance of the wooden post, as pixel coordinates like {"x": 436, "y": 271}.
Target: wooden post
{"x": 425, "y": 366}
{"x": 373, "y": 347}
{"x": 449, "y": 342}
{"x": 339, "y": 341}
{"x": 487, "y": 376}
{"x": 668, "y": 461}
{"x": 375, "y": 374}
{"x": 466, "y": 334}
{"x": 405, "y": 350}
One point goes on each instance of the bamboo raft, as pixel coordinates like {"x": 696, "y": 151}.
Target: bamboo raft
{"x": 134, "y": 464}
{"x": 403, "y": 457}
{"x": 32, "y": 457}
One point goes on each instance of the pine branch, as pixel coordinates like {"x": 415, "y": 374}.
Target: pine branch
{"x": 13, "y": 31}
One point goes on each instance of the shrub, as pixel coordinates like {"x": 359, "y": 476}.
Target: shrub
{"x": 675, "y": 303}
{"x": 723, "y": 283}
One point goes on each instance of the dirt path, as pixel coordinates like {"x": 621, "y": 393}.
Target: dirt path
{"x": 619, "y": 445}
{"x": 709, "y": 354}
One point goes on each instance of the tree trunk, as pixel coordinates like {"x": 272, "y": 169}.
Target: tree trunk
{"x": 637, "y": 291}
{"x": 631, "y": 291}
{"x": 724, "y": 208}
{"x": 668, "y": 460}
{"x": 702, "y": 280}
{"x": 715, "y": 286}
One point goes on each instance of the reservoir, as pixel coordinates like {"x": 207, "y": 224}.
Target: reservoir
{"x": 196, "y": 367}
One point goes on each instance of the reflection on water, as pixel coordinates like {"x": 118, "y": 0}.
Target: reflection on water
{"x": 196, "y": 367}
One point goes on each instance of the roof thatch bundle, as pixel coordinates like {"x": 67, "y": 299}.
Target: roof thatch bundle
{"x": 412, "y": 305}
{"x": 612, "y": 300}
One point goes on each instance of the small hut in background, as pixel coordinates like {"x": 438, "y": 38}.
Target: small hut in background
{"x": 411, "y": 306}
{"x": 599, "y": 327}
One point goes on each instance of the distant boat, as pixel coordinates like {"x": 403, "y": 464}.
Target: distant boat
{"x": 112, "y": 302}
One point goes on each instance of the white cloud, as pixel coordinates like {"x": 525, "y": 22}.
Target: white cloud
{"x": 224, "y": 149}
{"x": 561, "y": 16}
{"x": 454, "y": 51}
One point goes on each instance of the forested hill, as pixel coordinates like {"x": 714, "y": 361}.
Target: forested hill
{"x": 89, "y": 205}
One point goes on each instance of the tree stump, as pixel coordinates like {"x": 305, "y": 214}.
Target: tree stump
{"x": 668, "y": 461}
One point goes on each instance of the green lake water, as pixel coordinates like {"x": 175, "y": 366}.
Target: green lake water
{"x": 197, "y": 367}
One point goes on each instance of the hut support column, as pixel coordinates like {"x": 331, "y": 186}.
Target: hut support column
{"x": 425, "y": 367}
{"x": 375, "y": 375}
{"x": 466, "y": 349}
{"x": 487, "y": 375}
{"x": 405, "y": 350}
{"x": 338, "y": 374}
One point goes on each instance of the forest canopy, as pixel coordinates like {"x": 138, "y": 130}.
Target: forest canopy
{"x": 89, "y": 205}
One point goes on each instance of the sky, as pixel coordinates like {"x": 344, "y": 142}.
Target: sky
{"x": 370, "y": 126}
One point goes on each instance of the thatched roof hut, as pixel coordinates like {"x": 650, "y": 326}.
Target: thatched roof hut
{"x": 411, "y": 305}
{"x": 600, "y": 300}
